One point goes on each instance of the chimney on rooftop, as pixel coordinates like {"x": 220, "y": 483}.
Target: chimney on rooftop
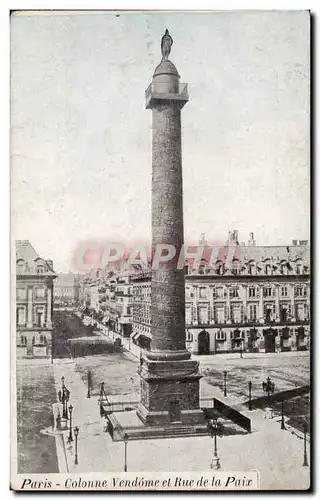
{"x": 203, "y": 241}
{"x": 50, "y": 264}
{"x": 233, "y": 237}
{"x": 252, "y": 241}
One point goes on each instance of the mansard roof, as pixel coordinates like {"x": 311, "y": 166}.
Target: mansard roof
{"x": 244, "y": 254}
{"x": 30, "y": 260}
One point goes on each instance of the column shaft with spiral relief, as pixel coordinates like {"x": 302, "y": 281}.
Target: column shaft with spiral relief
{"x": 169, "y": 378}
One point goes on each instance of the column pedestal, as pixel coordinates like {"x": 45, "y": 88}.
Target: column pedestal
{"x": 170, "y": 392}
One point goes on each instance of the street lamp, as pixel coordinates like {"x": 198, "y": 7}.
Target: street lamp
{"x": 76, "y": 432}
{"x": 225, "y": 383}
{"x": 283, "y": 427}
{"x": 89, "y": 384}
{"x": 64, "y": 396}
{"x": 305, "y": 456}
{"x": 215, "y": 429}
{"x": 125, "y": 440}
{"x": 250, "y": 388}
{"x": 70, "y": 431}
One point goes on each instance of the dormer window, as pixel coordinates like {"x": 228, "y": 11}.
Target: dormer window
{"x": 252, "y": 268}
{"x": 220, "y": 268}
{"x": 40, "y": 269}
{"x": 236, "y": 267}
{"x": 268, "y": 268}
{"x": 284, "y": 268}
{"x": 21, "y": 266}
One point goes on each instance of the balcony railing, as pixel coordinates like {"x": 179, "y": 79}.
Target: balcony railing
{"x": 183, "y": 90}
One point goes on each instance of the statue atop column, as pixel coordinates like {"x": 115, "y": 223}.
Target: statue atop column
{"x": 166, "y": 43}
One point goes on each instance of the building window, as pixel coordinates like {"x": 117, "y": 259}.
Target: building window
{"x": 40, "y": 269}
{"x": 284, "y": 291}
{"x": 203, "y": 293}
{"x": 236, "y": 314}
{"x": 301, "y": 310}
{"x": 237, "y": 334}
{"x": 203, "y": 315}
{"x": 21, "y": 293}
{"x": 269, "y": 311}
{"x": 252, "y": 293}
{"x": 268, "y": 269}
{"x": 189, "y": 336}
{"x": 219, "y": 314}
{"x": 218, "y": 292}
{"x": 40, "y": 293}
{"x": 284, "y": 314}
{"x": 252, "y": 312}
{"x": 267, "y": 292}
{"x": 252, "y": 268}
{"x": 298, "y": 291}
{"x": 284, "y": 268}
{"x": 236, "y": 267}
{"x": 220, "y": 269}
{"x": 234, "y": 292}
{"x": 23, "y": 340}
{"x": 220, "y": 335}
{"x": 188, "y": 315}
{"x": 21, "y": 316}
{"x": 39, "y": 317}
{"x": 189, "y": 293}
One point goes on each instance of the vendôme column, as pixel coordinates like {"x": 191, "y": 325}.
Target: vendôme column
{"x": 169, "y": 378}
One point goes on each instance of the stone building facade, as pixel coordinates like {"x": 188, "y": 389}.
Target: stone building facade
{"x": 108, "y": 297}
{"x": 66, "y": 290}
{"x": 34, "y": 302}
{"x": 252, "y": 298}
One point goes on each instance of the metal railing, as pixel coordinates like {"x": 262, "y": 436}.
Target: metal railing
{"x": 183, "y": 90}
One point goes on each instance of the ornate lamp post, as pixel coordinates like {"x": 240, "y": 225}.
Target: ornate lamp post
{"x": 215, "y": 429}
{"x": 250, "y": 389}
{"x": 76, "y": 432}
{"x": 70, "y": 438}
{"x": 225, "y": 383}
{"x": 125, "y": 440}
{"x": 305, "y": 456}
{"x": 64, "y": 395}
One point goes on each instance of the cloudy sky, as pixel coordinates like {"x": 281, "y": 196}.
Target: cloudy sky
{"x": 81, "y": 137}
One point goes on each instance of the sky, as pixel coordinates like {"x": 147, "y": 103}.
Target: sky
{"x": 81, "y": 136}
